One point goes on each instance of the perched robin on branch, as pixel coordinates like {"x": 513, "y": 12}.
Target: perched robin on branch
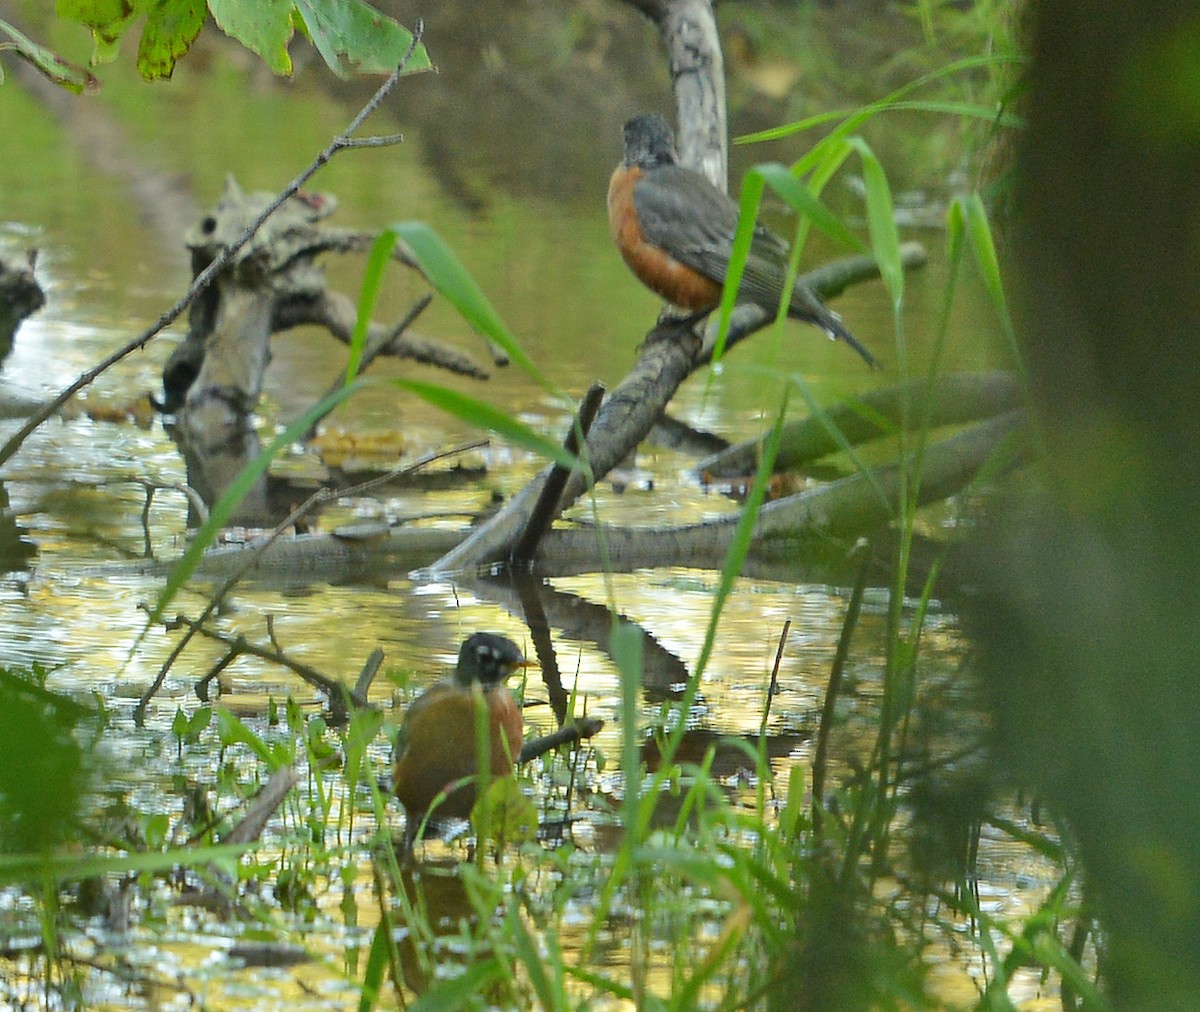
{"x": 435, "y": 749}
{"x": 675, "y": 231}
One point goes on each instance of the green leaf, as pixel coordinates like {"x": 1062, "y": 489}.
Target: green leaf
{"x": 881, "y": 222}
{"x": 264, "y": 27}
{"x": 200, "y": 720}
{"x": 68, "y": 75}
{"x": 448, "y": 275}
{"x": 107, "y": 17}
{"x": 108, "y": 20}
{"x": 484, "y": 416}
{"x": 171, "y": 28}
{"x": 504, "y": 809}
{"x": 802, "y": 200}
{"x": 377, "y": 261}
{"x": 353, "y": 37}
{"x": 232, "y": 731}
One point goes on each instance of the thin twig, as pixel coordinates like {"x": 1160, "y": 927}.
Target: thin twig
{"x": 369, "y": 670}
{"x": 202, "y": 280}
{"x": 206, "y": 679}
{"x": 773, "y": 687}
{"x": 568, "y": 734}
{"x": 334, "y": 690}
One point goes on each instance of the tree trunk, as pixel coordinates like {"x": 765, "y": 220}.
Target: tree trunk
{"x": 1092, "y": 643}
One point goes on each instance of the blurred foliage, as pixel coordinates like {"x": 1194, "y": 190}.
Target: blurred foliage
{"x": 44, "y": 772}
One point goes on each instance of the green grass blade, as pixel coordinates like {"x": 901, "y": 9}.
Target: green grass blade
{"x": 964, "y": 110}
{"x": 748, "y": 204}
{"x": 983, "y": 245}
{"x": 801, "y": 199}
{"x": 626, "y": 646}
{"x": 23, "y": 868}
{"x": 881, "y": 222}
{"x": 549, "y": 992}
{"x": 377, "y": 261}
{"x": 979, "y": 231}
{"x": 482, "y": 415}
{"x": 376, "y": 964}
{"x": 448, "y": 275}
{"x": 1049, "y": 951}
{"x": 853, "y": 118}
{"x": 458, "y": 992}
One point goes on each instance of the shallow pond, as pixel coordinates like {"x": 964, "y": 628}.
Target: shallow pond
{"x": 104, "y": 194}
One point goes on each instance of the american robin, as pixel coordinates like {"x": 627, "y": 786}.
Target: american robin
{"x": 435, "y": 747}
{"x": 675, "y": 231}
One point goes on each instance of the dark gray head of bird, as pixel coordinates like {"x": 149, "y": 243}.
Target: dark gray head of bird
{"x": 649, "y": 142}
{"x": 488, "y": 659}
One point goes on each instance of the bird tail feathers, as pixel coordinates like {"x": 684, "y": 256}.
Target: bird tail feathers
{"x": 831, "y": 323}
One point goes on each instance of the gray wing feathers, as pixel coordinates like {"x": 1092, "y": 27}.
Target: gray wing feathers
{"x": 681, "y": 212}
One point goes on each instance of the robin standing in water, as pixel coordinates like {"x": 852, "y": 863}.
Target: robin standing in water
{"x": 675, "y": 231}
{"x": 436, "y": 745}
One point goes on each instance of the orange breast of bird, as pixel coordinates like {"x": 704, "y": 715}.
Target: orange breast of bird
{"x": 655, "y": 268}
{"x": 439, "y": 748}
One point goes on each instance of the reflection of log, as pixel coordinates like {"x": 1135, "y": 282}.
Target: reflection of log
{"x": 580, "y": 621}
{"x": 730, "y": 757}
{"x": 20, "y": 295}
